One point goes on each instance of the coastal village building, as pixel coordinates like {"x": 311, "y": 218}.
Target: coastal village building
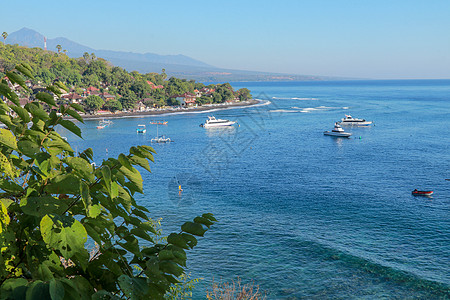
{"x": 73, "y": 97}
{"x": 106, "y": 96}
{"x": 186, "y": 99}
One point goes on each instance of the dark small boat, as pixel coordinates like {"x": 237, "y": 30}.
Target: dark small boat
{"x": 422, "y": 193}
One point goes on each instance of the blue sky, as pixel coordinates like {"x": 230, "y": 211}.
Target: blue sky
{"x": 366, "y": 39}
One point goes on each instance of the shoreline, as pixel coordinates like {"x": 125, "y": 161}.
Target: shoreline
{"x": 198, "y": 109}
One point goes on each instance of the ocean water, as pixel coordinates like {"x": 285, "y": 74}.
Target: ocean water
{"x": 303, "y": 215}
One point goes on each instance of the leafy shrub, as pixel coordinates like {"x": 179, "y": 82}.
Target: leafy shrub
{"x": 54, "y": 202}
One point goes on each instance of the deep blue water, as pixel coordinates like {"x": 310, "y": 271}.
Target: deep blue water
{"x": 301, "y": 214}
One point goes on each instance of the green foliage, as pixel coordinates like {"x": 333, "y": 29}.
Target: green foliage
{"x": 113, "y": 105}
{"x": 94, "y": 103}
{"x": 54, "y": 204}
{"x": 128, "y": 87}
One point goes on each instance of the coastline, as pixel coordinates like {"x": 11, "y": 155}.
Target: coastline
{"x": 170, "y": 111}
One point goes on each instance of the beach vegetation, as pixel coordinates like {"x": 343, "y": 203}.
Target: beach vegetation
{"x": 71, "y": 228}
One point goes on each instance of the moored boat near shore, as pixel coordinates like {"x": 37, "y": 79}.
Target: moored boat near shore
{"x": 349, "y": 120}
{"x": 337, "y": 132}
{"x": 213, "y": 122}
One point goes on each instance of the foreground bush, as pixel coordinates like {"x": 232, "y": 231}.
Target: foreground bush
{"x": 53, "y": 203}
{"x": 234, "y": 291}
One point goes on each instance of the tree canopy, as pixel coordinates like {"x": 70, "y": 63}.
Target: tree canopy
{"x": 90, "y": 71}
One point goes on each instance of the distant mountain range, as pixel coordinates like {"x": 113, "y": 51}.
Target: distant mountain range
{"x": 175, "y": 65}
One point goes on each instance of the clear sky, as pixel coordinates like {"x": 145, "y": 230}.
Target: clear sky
{"x": 380, "y": 39}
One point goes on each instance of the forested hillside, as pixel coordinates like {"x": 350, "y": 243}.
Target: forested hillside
{"x": 119, "y": 89}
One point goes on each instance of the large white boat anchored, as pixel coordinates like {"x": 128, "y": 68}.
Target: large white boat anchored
{"x": 213, "y": 122}
{"x": 349, "y": 120}
{"x": 337, "y": 131}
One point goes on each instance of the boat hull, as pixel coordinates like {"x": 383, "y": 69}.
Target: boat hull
{"x": 422, "y": 193}
{"x": 337, "y": 134}
{"x": 230, "y": 123}
{"x": 365, "y": 123}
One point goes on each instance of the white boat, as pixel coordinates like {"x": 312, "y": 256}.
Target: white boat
{"x": 213, "y": 122}
{"x": 141, "y": 128}
{"x": 349, "y": 120}
{"x": 161, "y": 139}
{"x": 337, "y": 131}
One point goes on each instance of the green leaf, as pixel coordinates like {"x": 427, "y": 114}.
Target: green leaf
{"x": 142, "y": 234}
{"x": 74, "y": 115}
{"x": 193, "y": 228}
{"x": 28, "y": 147}
{"x": 8, "y": 93}
{"x": 166, "y": 255}
{"x": 24, "y": 70}
{"x": 64, "y": 184}
{"x": 15, "y": 286}
{"x": 148, "y": 148}
{"x": 71, "y": 127}
{"x": 10, "y": 186}
{"x": 170, "y": 267}
{"x": 114, "y": 190}
{"x": 94, "y": 211}
{"x": 41, "y": 206}
{"x": 36, "y": 110}
{"x": 81, "y": 167}
{"x": 106, "y": 173}
{"x": 16, "y": 78}
{"x": 131, "y": 245}
{"x": 38, "y": 290}
{"x": 204, "y": 221}
{"x": 56, "y": 290}
{"x": 61, "y": 85}
{"x": 209, "y": 216}
{"x": 22, "y": 113}
{"x": 46, "y": 97}
{"x": 55, "y": 90}
{"x": 87, "y": 154}
{"x": 136, "y": 160}
{"x": 177, "y": 240}
{"x": 63, "y": 233}
{"x": 77, "y": 106}
{"x": 134, "y": 177}
{"x": 133, "y": 287}
{"x": 190, "y": 240}
{"x": 8, "y": 139}
{"x": 124, "y": 161}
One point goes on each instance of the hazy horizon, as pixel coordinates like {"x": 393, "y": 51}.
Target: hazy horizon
{"x": 382, "y": 40}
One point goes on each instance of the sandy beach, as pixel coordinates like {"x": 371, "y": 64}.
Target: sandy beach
{"x": 170, "y": 111}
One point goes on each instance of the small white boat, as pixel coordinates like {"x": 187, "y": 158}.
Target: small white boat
{"x": 349, "y": 120}
{"x": 337, "y": 131}
{"x": 141, "y": 128}
{"x": 213, "y": 122}
{"x": 161, "y": 139}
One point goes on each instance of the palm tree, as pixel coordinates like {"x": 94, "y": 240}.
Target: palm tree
{"x": 93, "y": 56}
{"x": 4, "y": 35}
{"x": 86, "y": 56}
{"x": 59, "y": 48}
{"x": 65, "y": 51}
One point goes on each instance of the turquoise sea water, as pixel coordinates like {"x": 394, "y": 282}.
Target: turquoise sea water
{"x": 301, "y": 214}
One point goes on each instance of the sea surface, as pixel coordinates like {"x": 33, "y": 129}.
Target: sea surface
{"x": 303, "y": 215}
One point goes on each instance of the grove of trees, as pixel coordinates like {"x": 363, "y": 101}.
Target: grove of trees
{"x": 89, "y": 70}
